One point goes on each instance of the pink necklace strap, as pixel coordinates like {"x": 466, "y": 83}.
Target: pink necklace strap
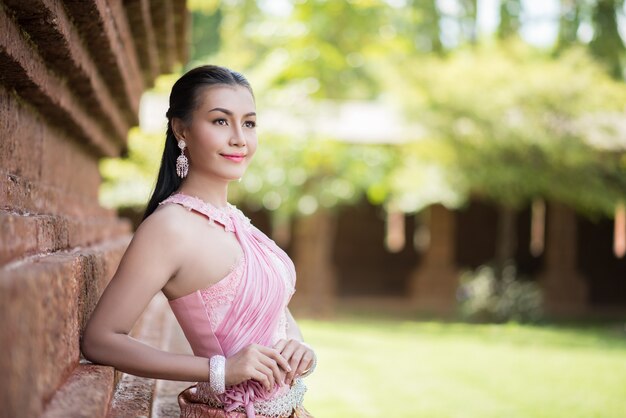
{"x": 223, "y": 216}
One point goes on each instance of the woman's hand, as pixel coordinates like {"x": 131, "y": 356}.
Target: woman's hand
{"x": 264, "y": 364}
{"x": 299, "y": 356}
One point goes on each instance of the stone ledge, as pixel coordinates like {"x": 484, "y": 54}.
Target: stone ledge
{"x": 21, "y": 195}
{"x": 181, "y": 18}
{"x": 36, "y": 234}
{"x": 44, "y": 305}
{"x": 25, "y": 71}
{"x": 140, "y": 21}
{"x": 86, "y": 394}
{"x": 106, "y": 32}
{"x": 163, "y": 21}
{"x": 60, "y": 44}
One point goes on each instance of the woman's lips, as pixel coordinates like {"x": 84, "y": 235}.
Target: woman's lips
{"x": 235, "y": 158}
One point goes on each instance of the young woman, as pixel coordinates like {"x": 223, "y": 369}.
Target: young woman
{"x": 227, "y": 283}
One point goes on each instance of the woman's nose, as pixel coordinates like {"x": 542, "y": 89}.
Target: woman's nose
{"x": 238, "y": 138}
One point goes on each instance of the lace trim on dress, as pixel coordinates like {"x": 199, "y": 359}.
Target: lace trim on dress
{"x": 215, "y": 214}
{"x": 222, "y": 292}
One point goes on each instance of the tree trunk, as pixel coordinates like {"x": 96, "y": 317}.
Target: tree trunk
{"x": 510, "y": 11}
{"x": 569, "y": 21}
{"x": 607, "y": 44}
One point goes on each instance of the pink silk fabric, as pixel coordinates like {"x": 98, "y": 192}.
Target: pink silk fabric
{"x": 250, "y": 301}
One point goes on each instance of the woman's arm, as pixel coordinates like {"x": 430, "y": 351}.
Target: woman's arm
{"x": 293, "y": 330}
{"x": 299, "y": 355}
{"x": 152, "y": 257}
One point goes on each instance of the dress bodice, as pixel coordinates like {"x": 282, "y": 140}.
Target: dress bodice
{"x": 247, "y": 306}
{"x": 200, "y": 313}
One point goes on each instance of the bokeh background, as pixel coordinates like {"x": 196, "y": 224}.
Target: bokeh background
{"x": 432, "y": 160}
{"x": 449, "y": 177}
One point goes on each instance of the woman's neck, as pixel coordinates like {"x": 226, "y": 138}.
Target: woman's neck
{"x": 212, "y": 191}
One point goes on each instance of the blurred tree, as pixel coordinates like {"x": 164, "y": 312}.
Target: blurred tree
{"x": 607, "y": 43}
{"x": 513, "y": 125}
{"x": 506, "y": 121}
{"x": 205, "y": 34}
{"x": 510, "y": 22}
{"x": 569, "y": 23}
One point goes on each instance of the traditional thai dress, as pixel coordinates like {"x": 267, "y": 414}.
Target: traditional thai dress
{"x": 247, "y": 306}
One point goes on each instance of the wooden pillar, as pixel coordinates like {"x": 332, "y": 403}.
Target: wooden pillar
{"x": 565, "y": 289}
{"x": 434, "y": 282}
{"x": 314, "y": 237}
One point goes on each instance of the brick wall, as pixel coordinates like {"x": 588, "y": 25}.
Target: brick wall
{"x": 71, "y": 76}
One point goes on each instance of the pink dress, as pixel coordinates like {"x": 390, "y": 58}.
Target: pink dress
{"x": 247, "y": 306}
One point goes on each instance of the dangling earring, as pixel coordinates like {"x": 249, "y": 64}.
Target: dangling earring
{"x": 182, "y": 164}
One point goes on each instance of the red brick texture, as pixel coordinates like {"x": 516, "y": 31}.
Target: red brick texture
{"x": 72, "y": 76}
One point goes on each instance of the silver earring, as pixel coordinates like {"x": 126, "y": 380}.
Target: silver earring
{"x": 182, "y": 163}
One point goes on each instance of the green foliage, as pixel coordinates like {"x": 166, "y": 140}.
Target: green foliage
{"x": 517, "y": 124}
{"x": 296, "y": 176}
{"x": 128, "y": 182}
{"x": 501, "y": 119}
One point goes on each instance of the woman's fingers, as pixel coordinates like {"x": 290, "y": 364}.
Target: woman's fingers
{"x": 280, "y": 345}
{"x": 295, "y": 360}
{"x": 256, "y": 360}
{"x": 280, "y": 359}
{"x": 262, "y": 378}
{"x": 289, "y": 352}
{"x": 306, "y": 361}
{"x": 277, "y": 374}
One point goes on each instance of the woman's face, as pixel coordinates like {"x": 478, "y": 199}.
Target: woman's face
{"x": 221, "y": 138}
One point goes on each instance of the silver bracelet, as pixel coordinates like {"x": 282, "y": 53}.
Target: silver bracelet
{"x": 313, "y": 365}
{"x": 217, "y": 374}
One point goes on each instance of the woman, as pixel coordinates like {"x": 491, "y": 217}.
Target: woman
{"x": 227, "y": 283}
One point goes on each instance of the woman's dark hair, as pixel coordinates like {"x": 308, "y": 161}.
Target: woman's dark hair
{"x": 184, "y": 99}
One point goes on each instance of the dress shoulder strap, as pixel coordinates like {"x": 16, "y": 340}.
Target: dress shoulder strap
{"x": 214, "y": 214}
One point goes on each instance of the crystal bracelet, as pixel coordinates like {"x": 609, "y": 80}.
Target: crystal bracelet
{"x": 313, "y": 365}
{"x": 217, "y": 375}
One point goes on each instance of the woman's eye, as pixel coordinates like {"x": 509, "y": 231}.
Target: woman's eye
{"x": 250, "y": 124}
{"x": 222, "y": 122}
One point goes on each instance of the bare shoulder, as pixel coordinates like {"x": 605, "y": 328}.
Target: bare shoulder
{"x": 166, "y": 220}
{"x": 182, "y": 230}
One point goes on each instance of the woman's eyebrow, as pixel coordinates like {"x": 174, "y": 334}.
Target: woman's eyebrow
{"x": 228, "y": 112}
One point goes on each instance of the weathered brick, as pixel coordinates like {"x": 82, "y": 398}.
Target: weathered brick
{"x": 120, "y": 69}
{"x": 21, "y": 144}
{"x": 18, "y": 236}
{"x": 65, "y": 166}
{"x": 60, "y": 44}
{"x": 22, "y": 195}
{"x": 25, "y": 71}
{"x": 181, "y": 22}
{"x": 161, "y": 11}
{"x": 86, "y": 394}
{"x": 138, "y": 13}
{"x": 44, "y": 303}
{"x": 28, "y": 234}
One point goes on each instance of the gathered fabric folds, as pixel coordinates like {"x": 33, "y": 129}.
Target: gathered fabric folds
{"x": 266, "y": 285}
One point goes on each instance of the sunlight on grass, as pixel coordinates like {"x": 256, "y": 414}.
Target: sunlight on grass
{"x": 433, "y": 369}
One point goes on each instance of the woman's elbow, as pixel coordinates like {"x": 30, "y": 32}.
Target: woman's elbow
{"x": 89, "y": 346}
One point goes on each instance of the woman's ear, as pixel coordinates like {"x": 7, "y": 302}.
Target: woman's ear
{"x": 179, "y": 128}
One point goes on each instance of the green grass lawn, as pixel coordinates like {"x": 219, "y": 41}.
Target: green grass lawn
{"x": 397, "y": 368}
